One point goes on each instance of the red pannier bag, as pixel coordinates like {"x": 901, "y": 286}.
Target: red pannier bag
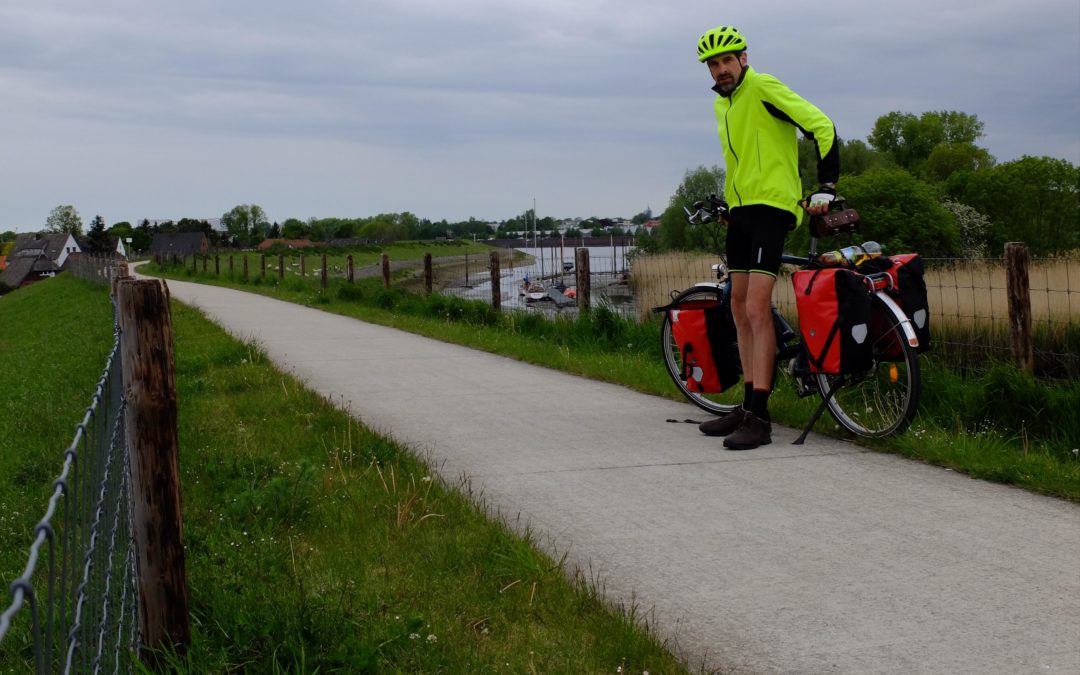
{"x": 705, "y": 334}
{"x": 834, "y": 315}
{"x": 908, "y": 290}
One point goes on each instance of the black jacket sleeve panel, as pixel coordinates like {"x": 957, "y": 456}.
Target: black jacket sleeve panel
{"x": 828, "y": 166}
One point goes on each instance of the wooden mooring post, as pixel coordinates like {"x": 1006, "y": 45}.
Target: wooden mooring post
{"x": 325, "y": 278}
{"x": 149, "y": 381}
{"x": 349, "y": 268}
{"x": 496, "y": 282}
{"x": 429, "y": 275}
{"x": 1019, "y": 293}
{"x": 584, "y": 291}
{"x": 385, "y": 270}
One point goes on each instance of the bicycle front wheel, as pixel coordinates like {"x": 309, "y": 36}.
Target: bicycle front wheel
{"x": 718, "y": 404}
{"x": 883, "y": 400}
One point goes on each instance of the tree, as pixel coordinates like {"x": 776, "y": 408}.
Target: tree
{"x": 1033, "y": 199}
{"x": 974, "y": 228}
{"x": 64, "y": 219}
{"x": 949, "y": 158}
{"x": 910, "y": 139}
{"x": 643, "y": 217}
{"x": 97, "y": 240}
{"x": 900, "y": 211}
{"x": 245, "y": 223}
{"x": 675, "y": 231}
{"x": 294, "y": 228}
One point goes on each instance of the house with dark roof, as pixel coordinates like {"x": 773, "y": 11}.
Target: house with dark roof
{"x": 37, "y": 256}
{"x": 179, "y": 243}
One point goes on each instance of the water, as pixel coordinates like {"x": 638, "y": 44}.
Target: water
{"x": 605, "y": 264}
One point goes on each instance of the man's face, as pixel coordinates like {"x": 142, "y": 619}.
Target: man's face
{"x": 725, "y": 70}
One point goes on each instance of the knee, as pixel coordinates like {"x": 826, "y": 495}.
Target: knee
{"x": 758, "y": 313}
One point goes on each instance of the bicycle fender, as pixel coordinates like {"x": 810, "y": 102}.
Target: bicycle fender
{"x": 901, "y": 317}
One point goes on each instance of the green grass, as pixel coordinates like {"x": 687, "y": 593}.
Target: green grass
{"x": 313, "y": 544}
{"x": 994, "y": 423}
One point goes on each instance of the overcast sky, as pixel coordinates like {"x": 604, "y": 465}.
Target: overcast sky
{"x": 137, "y": 109}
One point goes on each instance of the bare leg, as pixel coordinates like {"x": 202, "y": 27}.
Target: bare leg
{"x": 740, "y": 282}
{"x": 759, "y": 316}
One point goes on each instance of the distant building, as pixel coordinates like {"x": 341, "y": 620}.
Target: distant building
{"x": 179, "y": 243}
{"x": 37, "y": 256}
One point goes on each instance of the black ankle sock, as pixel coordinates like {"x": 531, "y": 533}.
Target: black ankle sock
{"x": 759, "y": 404}
{"x": 748, "y": 395}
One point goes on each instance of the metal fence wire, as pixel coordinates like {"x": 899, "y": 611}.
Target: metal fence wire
{"x": 75, "y": 606}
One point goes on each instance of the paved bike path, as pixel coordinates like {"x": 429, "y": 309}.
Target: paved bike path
{"x": 822, "y": 558}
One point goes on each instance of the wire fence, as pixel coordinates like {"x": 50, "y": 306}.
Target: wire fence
{"x": 968, "y": 297}
{"x": 74, "y": 607}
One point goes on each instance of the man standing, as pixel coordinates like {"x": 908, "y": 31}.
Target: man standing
{"x": 757, "y": 117}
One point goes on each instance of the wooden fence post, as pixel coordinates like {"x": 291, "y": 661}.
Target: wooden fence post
{"x": 349, "y": 268}
{"x": 262, "y": 265}
{"x": 281, "y": 267}
{"x": 230, "y": 265}
{"x": 245, "y": 267}
{"x": 204, "y": 262}
{"x": 428, "y": 275}
{"x": 496, "y": 286}
{"x": 217, "y": 265}
{"x": 584, "y": 291}
{"x": 303, "y": 266}
{"x": 1019, "y": 292}
{"x": 324, "y": 272}
{"x": 385, "y": 270}
{"x": 146, "y": 352}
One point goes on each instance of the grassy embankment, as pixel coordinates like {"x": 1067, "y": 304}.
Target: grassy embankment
{"x": 313, "y": 545}
{"x": 992, "y": 423}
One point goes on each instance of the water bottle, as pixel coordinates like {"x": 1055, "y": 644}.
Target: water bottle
{"x": 872, "y": 249}
{"x": 849, "y": 255}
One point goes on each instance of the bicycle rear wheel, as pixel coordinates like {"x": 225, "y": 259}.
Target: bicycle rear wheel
{"x": 884, "y": 399}
{"x": 717, "y": 404}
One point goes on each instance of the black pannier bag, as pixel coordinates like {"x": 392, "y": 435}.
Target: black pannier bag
{"x": 908, "y": 290}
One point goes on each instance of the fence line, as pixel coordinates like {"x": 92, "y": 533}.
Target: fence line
{"x": 114, "y": 579}
{"x": 89, "y": 622}
{"x": 969, "y": 298}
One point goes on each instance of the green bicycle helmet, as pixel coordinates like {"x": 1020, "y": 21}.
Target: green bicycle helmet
{"x": 720, "y": 41}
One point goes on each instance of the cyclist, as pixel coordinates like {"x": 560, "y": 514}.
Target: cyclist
{"x": 757, "y": 117}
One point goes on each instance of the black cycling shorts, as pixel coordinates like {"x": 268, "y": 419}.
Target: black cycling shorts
{"x": 755, "y": 238}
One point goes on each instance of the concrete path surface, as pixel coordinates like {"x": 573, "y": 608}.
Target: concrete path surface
{"x": 822, "y": 558}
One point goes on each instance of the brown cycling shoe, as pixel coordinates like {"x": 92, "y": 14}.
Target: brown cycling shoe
{"x": 725, "y": 424}
{"x": 752, "y": 433}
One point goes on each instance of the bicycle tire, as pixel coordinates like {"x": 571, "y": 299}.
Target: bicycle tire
{"x": 883, "y": 400}
{"x": 718, "y": 404}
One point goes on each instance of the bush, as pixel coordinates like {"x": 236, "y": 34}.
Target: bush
{"x": 901, "y": 212}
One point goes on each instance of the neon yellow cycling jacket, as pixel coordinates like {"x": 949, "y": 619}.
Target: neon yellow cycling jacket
{"x": 757, "y": 123}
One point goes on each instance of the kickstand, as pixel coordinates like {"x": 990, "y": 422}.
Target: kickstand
{"x": 817, "y": 413}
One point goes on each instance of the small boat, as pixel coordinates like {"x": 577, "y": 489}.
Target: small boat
{"x": 567, "y": 266}
{"x": 533, "y": 292}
